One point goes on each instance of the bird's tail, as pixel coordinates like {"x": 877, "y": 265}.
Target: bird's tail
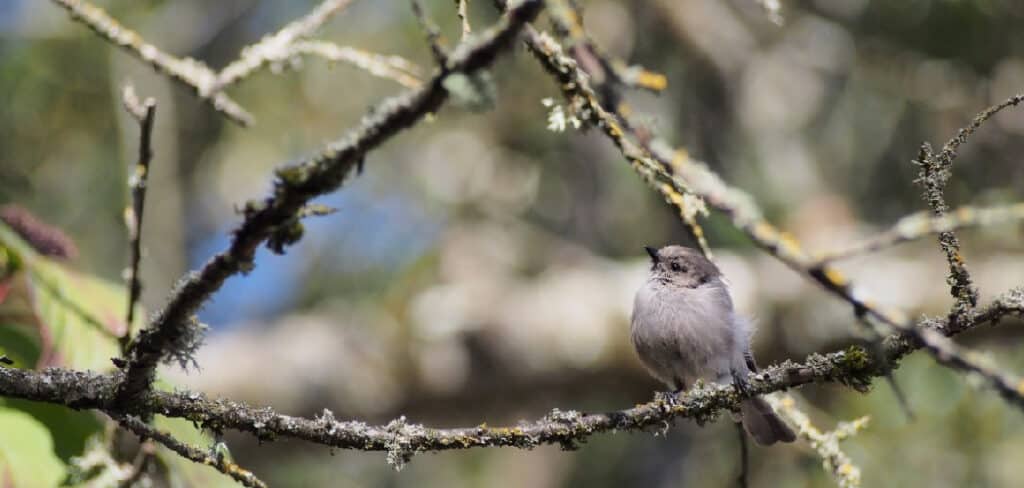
{"x": 763, "y": 424}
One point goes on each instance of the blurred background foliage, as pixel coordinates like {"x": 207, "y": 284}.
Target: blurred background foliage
{"x": 482, "y": 268}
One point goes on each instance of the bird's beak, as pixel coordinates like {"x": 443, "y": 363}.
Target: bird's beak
{"x": 652, "y": 252}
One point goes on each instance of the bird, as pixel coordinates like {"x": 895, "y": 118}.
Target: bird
{"x": 684, "y": 328}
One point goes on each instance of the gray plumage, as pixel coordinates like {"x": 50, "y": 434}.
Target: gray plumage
{"x": 684, "y": 328}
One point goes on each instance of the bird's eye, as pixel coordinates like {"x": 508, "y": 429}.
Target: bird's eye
{"x": 676, "y": 267}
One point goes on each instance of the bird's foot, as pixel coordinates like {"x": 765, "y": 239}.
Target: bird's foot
{"x": 670, "y": 398}
{"x": 740, "y": 383}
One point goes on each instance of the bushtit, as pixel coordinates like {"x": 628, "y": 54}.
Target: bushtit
{"x": 684, "y": 329}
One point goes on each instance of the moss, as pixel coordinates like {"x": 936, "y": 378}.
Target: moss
{"x": 285, "y": 235}
{"x": 857, "y": 368}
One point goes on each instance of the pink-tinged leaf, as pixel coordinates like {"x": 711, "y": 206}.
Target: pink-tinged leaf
{"x": 5, "y": 288}
{"x": 78, "y": 315}
{"x": 8, "y": 477}
{"x": 78, "y": 318}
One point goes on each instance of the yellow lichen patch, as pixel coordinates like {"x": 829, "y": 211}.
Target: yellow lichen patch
{"x": 894, "y": 316}
{"x": 614, "y": 131}
{"x": 624, "y": 110}
{"x": 651, "y": 80}
{"x": 789, "y": 244}
{"x": 764, "y": 232}
{"x": 835, "y": 277}
{"x": 572, "y": 21}
{"x": 680, "y": 159}
{"x": 670, "y": 193}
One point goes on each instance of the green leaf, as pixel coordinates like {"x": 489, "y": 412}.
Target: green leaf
{"x": 80, "y": 316}
{"x": 69, "y": 429}
{"x": 74, "y": 318}
{"x": 16, "y": 249}
{"x": 20, "y": 344}
{"x": 26, "y": 452}
{"x": 53, "y": 316}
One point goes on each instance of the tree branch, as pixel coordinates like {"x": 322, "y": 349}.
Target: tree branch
{"x": 854, "y": 367}
{"x": 210, "y": 84}
{"x": 173, "y": 333}
{"x": 462, "y": 10}
{"x": 144, "y": 113}
{"x": 145, "y": 431}
{"x": 395, "y": 68}
{"x": 187, "y": 71}
{"x": 936, "y": 170}
{"x": 920, "y": 224}
{"x": 826, "y": 444}
{"x": 276, "y": 47}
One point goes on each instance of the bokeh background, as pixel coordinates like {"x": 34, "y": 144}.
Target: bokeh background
{"x": 482, "y": 268}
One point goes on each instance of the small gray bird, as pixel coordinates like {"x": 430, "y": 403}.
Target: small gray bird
{"x": 684, "y": 328}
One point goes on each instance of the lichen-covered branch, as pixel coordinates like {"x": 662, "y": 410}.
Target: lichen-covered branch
{"x": 826, "y": 444}
{"x": 432, "y": 31}
{"x": 279, "y": 47}
{"x": 854, "y": 367}
{"x": 604, "y": 69}
{"x": 402, "y": 71}
{"x": 146, "y": 431}
{"x": 144, "y": 113}
{"x": 936, "y": 170}
{"x": 187, "y": 71}
{"x": 674, "y": 174}
{"x": 276, "y": 47}
{"x": 173, "y": 332}
{"x": 920, "y": 224}
{"x": 462, "y": 10}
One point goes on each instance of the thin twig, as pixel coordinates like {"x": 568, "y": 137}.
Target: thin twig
{"x": 901, "y": 397}
{"x": 172, "y": 334}
{"x": 744, "y": 479}
{"x": 209, "y": 84}
{"x": 144, "y": 113}
{"x": 145, "y": 431}
{"x": 394, "y": 68}
{"x": 936, "y": 170}
{"x": 147, "y": 450}
{"x": 276, "y": 47}
{"x": 606, "y": 75}
{"x": 949, "y": 151}
{"x": 826, "y": 444}
{"x": 598, "y": 63}
{"x": 920, "y": 224}
{"x": 187, "y": 71}
{"x": 935, "y": 173}
{"x": 462, "y": 10}
{"x": 433, "y": 33}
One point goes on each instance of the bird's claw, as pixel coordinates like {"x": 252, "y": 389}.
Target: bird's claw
{"x": 740, "y": 383}
{"x": 670, "y": 398}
